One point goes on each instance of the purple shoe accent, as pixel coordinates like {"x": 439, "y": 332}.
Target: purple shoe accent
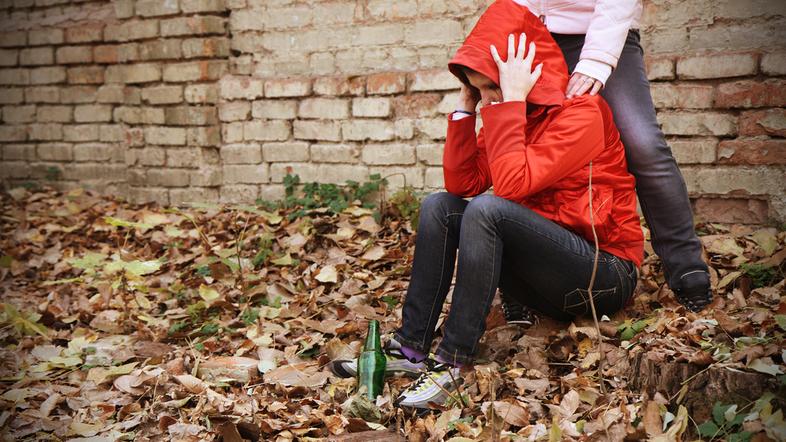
{"x": 412, "y": 354}
{"x": 442, "y": 360}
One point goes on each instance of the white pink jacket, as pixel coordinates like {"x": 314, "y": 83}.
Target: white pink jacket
{"x": 605, "y": 22}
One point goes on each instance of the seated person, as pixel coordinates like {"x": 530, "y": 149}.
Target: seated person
{"x": 550, "y": 161}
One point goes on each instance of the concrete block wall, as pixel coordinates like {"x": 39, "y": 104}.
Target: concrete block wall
{"x": 178, "y": 100}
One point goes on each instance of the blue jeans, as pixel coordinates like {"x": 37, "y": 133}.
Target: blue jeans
{"x": 500, "y": 244}
{"x": 659, "y": 183}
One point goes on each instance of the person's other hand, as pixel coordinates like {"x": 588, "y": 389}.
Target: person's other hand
{"x": 468, "y": 98}
{"x": 580, "y": 84}
{"x": 516, "y": 76}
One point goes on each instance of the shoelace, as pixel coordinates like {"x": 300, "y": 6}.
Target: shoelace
{"x": 432, "y": 368}
{"x": 511, "y": 311}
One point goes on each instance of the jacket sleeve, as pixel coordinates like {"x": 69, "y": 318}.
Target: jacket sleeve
{"x": 606, "y": 36}
{"x": 464, "y": 162}
{"x": 521, "y": 167}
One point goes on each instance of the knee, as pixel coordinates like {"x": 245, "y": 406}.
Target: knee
{"x": 439, "y": 204}
{"x": 647, "y": 151}
{"x": 484, "y": 208}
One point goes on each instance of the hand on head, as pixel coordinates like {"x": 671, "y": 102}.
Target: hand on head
{"x": 516, "y": 76}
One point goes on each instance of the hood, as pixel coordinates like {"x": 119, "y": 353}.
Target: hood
{"x": 502, "y": 18}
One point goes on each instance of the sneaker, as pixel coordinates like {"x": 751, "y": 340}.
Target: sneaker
{"x": 695, "y": 293}
{"x": 434, "y": 386}
{"x": 517, "y": 313}
{"x": 396, "y": 364}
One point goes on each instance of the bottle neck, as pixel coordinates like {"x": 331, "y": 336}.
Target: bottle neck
{"x": 373, "y": 342}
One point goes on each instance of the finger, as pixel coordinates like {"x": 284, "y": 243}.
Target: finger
{"x": 522, "y": 45}
{"x": 583, "y": 88}
{"x": 596, "y": 87}
{"x": 530, "y": 55}
{"x": 536, "y": 73}
{"x": 511, "y": 47}
{"x": 573, "y": 86}
{"x": 495, "y": 55}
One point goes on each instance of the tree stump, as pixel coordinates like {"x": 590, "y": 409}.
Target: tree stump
{"x": 704, "y": 385}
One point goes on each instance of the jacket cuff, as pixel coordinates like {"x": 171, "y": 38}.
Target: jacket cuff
{"x": 593, "y": 68}
{"x": 455, "y": 116}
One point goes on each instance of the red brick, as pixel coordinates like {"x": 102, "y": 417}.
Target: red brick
{"x": 84, "y": 33}
{"x": 416, "y": 105}
{"x": 763, "y": 122}
{"x": 340, "y": 86}
{"x": 751, "y": 93}
{"x": 384, "y": 84}
{"x": 732, "y": 211}
{"x": 752, "y": 152}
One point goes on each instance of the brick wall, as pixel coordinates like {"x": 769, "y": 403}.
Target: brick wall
{"x": 177, "y": 100}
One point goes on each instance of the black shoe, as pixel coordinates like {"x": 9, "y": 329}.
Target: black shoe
{"x": 695, "y": 292}
{"x": 517, "y": 313}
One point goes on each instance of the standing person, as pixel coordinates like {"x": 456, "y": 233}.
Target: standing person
{"x": 558, "y": 170}
{"x": 601, "y": 44}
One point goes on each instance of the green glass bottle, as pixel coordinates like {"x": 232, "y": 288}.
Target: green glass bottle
{"x": 371, "y": 363}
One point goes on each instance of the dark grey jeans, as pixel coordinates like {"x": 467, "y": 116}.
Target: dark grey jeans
{"x": 659, "y": 183}
{"x": 506, "y": 245}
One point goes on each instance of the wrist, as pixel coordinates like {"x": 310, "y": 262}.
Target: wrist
{"x": 515, "y": 96}
{"x": 466, "y": 107}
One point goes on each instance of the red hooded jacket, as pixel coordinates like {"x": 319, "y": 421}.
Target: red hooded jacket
{"x": 538, "y": 153}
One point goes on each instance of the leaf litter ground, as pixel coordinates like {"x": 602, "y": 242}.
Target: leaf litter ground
{"x": 207, "y": 322}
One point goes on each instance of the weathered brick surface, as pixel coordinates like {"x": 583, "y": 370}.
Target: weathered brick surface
{"x": 752, "y": 151}
{"x": 732, "y": 210}
{"x": 334, "y": 153}
{"x": 751, "y": 93}
{"x": 220, "y": 99}
{"x": 669, "y": 96}
{"x": 163, "y": 94}
{"x": 249, "y": 153}
{"x": 375, "y": 130}
{"x": 36, "y": 56}
{"x": 766, "y": 122}
{"x": 317, "y": 130}
{"x": 324, "y": 108}
{"x": 704, "y": 123}
{"x": 266, "y": 131}
{"x": 241, "y": 87}
{"x": 387, "y": 154}
{"x": 274, "y": 109}
{"x": 287, "y": 88}
{"x": 339, "y": 86}
{"x": 774, "y": 63}
{"x": 717, "y": 66}
{"x": 234, "y": 111}
{"x": 371, "y": 107}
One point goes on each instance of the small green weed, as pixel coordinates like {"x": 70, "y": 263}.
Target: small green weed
{"x": 760, "y": 275}
{"x": 726, "y": 423}
{"x": 331, "y": 196}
